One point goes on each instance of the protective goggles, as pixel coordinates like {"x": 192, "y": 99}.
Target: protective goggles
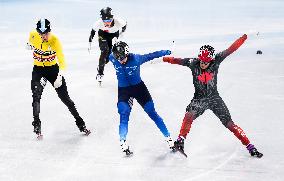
{"x": 119, "y": 57}
{"x": 205, "y": 63}
{"x": 107, "y": 20}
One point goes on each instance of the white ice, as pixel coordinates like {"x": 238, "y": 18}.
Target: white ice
{"x": 251, "y": 85}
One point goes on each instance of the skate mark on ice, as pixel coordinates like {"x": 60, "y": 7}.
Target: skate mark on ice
{"x": 214, "y": 169}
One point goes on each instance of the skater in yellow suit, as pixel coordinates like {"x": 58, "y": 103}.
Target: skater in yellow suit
{"x": 47, "y": 53}
{"x": 48, "y": 65}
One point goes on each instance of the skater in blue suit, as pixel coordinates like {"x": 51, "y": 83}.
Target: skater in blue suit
{"x": 130, "y": 86}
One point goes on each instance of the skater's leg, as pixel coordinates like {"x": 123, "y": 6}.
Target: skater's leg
{"x": 109, "y": 41}
{"x": 105, "y": 51}
{"x": 150, "y": 110}
{"x": 193, "y": 110}
{"x": 124, "y": 111}
{"x": 37, "y": 85}
{"x": 219, "y": 108}
{"x": 186, "y": 124}
{"x": 144, "y": 98}
{"x": 62, "y": 93}
{"x": 238, "y": 132}
{"x": 124, "y": 105}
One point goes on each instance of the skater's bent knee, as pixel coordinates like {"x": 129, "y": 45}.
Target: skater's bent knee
{"x": 228, "y": 124}
{"x": 189, "y": 114}
{"x": 123, "y": 108}
{"x": 149, "y": 107}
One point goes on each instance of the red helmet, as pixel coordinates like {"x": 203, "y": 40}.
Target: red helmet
{"x": 206, "y": 53}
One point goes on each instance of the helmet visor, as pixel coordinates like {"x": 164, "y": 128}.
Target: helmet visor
{"x": 119, "y": 56}
{"x": 107, "y": 20}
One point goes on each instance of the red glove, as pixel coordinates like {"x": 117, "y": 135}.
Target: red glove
{"x": 168, "y": 59}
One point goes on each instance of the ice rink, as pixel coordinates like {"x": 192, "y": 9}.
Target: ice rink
{"x": 251, "y": 85}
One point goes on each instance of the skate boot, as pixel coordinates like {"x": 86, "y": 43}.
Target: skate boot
{"x": 99, "y": 78}
{"x": 85, "y": 130}
{"x": 81, "y": 125}
{"x": 170, "y": 142}
{"x": 37, "y": 128}
{"x": 125, "y": 148}
{"x": 253, "y": 151}
{"x": 179, "y": 143}
{"x": 179, "y": 146}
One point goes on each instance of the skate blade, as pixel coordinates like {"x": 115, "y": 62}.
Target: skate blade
{"x": 176, "y": 149}
{"x": 87, "y": 133}
{"x": 182, "y": 152}
{"x": 129, "y": 154}
{"x": 259, "y": 155}
{"x": 39, "y": 137}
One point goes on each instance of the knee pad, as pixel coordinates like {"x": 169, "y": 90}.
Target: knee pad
{"x": 37, "y": 89}
{"x": 58, "y": 82}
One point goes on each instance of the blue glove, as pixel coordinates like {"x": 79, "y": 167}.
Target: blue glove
{"x": 166, "y": 52}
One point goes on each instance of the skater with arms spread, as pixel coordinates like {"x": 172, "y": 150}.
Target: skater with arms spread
{"x": 204, "y": 71}
{"x": 130, "y": 86}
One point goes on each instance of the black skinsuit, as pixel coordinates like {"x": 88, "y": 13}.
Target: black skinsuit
{"x": 206, "y": 95}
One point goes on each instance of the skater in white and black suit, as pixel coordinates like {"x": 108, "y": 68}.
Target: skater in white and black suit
{"x": 109, "y": 28}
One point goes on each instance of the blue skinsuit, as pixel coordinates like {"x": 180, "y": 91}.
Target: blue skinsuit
{"x": 131, "y": 86}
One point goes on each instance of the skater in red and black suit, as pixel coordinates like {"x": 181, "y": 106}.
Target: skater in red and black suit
{"x": 204, "y": 71}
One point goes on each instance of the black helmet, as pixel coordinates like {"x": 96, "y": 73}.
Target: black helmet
{"x": 106, "y": 13}
{"x": 43, "y": 26}
{"x": 120, "y": 50}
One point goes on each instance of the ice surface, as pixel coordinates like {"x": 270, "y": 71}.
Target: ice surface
{"x": 251, "y": 85}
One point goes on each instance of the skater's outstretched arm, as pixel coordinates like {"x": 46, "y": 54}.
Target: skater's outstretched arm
{"x": 151, "y": 56}
{"x": 233, "y": 47}
{"x": 180, "y": 61}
